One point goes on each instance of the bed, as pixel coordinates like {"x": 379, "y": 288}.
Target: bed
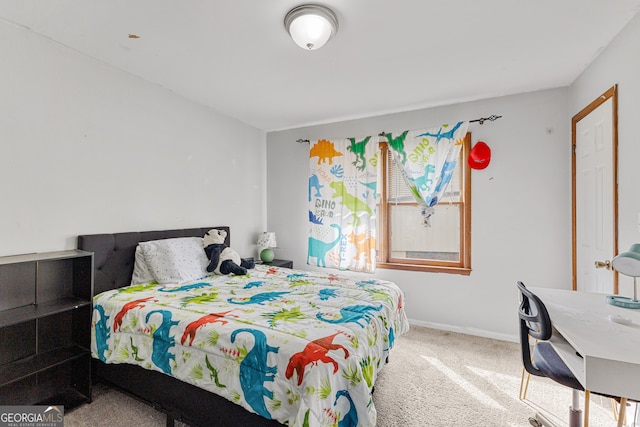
{"x": 275, "y": 346}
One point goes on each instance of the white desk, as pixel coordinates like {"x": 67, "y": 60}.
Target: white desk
{"x": 603, "y": 355}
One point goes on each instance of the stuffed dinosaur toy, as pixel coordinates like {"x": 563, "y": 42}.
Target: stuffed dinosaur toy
{"x": 223, "y": 259}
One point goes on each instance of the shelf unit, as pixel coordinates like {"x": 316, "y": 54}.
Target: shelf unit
{"x": 45, "y": 328}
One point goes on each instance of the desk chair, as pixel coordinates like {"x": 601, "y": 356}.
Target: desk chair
{"x": 545, "y": 361}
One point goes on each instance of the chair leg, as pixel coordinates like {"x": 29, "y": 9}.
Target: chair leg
{"x": 614, "y": 409}
{"x": 521, "y": 384}
{"x": 523, "y": 393}
{"x": 623, "y": 412}
{"x": 587, "y": 395}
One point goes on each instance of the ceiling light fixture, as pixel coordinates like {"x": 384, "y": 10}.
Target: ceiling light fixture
{"x": 311, "y": 25}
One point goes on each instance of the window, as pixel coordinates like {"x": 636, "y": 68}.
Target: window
{"x": 403, "y": 242}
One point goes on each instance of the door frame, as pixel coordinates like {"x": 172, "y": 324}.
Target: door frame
{"x": 612, "y": 93}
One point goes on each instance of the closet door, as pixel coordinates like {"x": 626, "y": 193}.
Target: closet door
{"x": 595, "y": 195}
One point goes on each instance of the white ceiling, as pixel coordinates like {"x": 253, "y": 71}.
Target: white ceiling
{"x": 389, "y": 55}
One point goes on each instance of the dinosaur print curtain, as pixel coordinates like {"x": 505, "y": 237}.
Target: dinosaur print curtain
{"x": 342, "y": 204}
{"x": 427, "y": 159}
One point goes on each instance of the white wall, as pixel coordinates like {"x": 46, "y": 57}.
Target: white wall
{"x": 85, "y": 148}
{"x": 521, "y": 208}
{"x": 619, "y": 64}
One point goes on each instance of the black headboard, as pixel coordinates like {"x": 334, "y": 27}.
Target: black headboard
{"x": 114, "y": 254}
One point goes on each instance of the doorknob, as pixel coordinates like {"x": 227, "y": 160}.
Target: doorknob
{"x": 604, "y": 264}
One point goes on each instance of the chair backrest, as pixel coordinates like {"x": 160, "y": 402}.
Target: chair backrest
{"x": 534, "y": 322}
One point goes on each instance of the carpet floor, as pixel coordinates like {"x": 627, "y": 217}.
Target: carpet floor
{"x": 434, "y": 378}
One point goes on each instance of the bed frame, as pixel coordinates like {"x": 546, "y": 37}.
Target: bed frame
{"x": 114, "y": 256}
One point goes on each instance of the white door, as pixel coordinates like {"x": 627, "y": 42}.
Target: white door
{"x": 595, "y": 196}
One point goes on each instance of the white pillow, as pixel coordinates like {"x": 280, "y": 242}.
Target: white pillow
{"x": 175, "y": 261}
{"x": 141, "y": 272}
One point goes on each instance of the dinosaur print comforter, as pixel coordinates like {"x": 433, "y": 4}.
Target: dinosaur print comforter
{"x": 299, "y": 347}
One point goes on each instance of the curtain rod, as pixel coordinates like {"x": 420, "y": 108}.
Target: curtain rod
{"x": 491, "y": 118}
{"x": 481, "y": 120}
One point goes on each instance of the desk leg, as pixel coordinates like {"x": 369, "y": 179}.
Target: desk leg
{"x": 575, "y": 414}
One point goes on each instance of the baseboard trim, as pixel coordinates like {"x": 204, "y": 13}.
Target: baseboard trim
{"x": 464, "y": 330}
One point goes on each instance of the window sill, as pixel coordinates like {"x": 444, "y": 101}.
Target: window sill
{"x": 425, "y": 268}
